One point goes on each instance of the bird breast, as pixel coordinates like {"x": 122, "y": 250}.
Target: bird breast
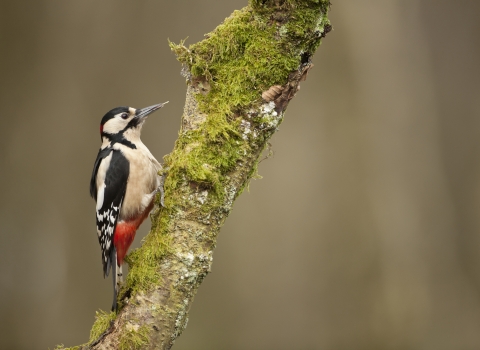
{"x": 143, "y": 180}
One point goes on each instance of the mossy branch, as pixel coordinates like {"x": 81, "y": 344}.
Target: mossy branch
{"x": 240, "y": 80}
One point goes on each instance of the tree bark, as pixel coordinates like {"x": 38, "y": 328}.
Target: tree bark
{"x": 240, "y": 80}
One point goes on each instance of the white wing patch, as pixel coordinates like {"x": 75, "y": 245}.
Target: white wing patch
{"x": 100, "y": 180}
{"x": 100, "y": 196}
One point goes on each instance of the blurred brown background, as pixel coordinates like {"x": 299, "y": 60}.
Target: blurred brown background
{"x": 364, "y": 232}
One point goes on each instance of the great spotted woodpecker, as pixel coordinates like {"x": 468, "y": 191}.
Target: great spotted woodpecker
{"x": 124, "y": 182}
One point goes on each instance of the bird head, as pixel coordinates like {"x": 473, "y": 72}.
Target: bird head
{"x": 126, "y": 121}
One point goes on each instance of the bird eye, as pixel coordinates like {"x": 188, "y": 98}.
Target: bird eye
{"x": 124, "y": 115}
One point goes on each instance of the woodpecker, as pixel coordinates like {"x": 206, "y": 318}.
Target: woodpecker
{"x": 124, "y": 183}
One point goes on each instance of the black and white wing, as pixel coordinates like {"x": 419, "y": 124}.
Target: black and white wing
{"x": 102, "y": 154}
{"x": 111, "y": 175}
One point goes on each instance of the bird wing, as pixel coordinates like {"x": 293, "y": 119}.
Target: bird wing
{"x": 102, "y": 154}
{"x": 110, "y": 184}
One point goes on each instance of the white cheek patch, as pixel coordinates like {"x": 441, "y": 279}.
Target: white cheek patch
{"x": 115, "y": 125}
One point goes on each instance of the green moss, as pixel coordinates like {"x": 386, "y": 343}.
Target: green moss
{"x": 252, "y": 50}
{"x": 62, "y": 347}
{"x": 133, "y": 338}
{"x": 102, "y": 322}
{"x": 239, "y": 60}
{"x": 244, "y": 56}
{"x": 143, "y": 262}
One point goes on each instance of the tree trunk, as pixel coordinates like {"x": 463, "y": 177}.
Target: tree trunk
{"x": 240, "y": 80}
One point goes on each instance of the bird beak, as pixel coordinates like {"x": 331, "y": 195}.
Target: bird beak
{"x": 144, "y": 112}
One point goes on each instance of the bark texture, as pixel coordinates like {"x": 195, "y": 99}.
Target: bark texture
{"x": 240, "y": 80}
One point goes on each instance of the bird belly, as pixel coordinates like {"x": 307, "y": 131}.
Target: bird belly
{"x": 143, "y": 180}
{"x": 125, "y": 233}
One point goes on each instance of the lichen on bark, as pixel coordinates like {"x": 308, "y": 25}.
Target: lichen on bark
{"x": 264, "y": 50}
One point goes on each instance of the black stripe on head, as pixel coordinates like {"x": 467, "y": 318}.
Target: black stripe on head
{"x": 113, "y": 113}
{"x": 132, "y": 123}
{"x": 118, "y": 138}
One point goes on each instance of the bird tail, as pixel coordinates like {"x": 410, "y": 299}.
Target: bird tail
{"x": 117, "y": 276}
